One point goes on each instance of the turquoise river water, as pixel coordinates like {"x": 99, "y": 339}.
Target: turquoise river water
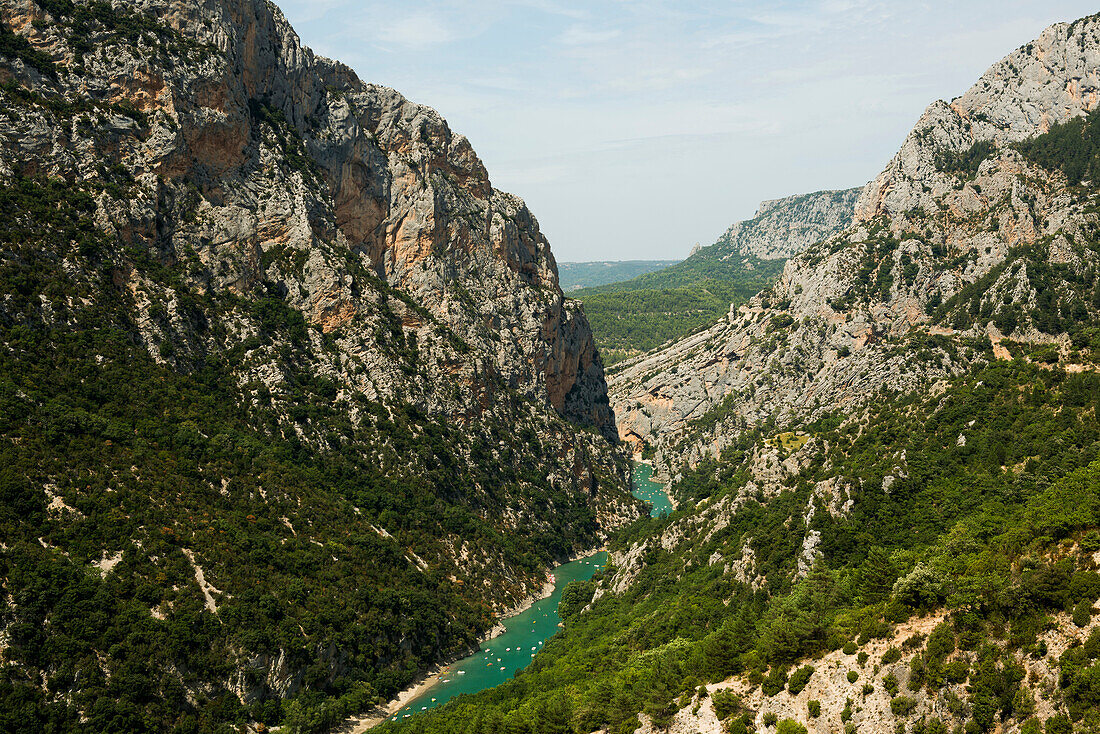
{"x": 500, "y": 658}
{"x": 524, "y": 635}
{"x": 644, "y": 488}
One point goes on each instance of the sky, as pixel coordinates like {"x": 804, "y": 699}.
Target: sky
{"x": 636, "y": 129}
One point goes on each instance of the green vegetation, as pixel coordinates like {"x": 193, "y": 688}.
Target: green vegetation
{"x": 969, "y": 530}
{"x": 641, "y": 314}
{"x": 1072, "y": 147}
{"x": 574, "y": 275}
{"x": 965, "y": 164}
{"x": 16, "y": 47}
{"x": 320, "y": 535}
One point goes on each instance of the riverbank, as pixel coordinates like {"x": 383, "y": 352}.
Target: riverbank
{"x": 364, "y": 722}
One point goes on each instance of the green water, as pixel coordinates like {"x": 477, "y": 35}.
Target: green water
{"x": 500, "y": 658}
{"x": 644, "y": 488}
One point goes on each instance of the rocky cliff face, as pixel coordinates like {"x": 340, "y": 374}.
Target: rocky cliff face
{"x": 951, "y": 245}
{"x": 296, "y": 165}
{"x": 782, "y": 228}
{"x": 338, "y": 257}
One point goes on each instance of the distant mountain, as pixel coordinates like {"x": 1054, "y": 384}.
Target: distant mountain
{"x": 575, "y": 275}
{"x": 782, "y": 228}
{"x": 977, "y": 231}
{"x": 636, "y": 315}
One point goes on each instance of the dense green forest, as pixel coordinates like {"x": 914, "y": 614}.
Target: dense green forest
{"x": 973, "y": 529}
{"x": 637, "y": 315}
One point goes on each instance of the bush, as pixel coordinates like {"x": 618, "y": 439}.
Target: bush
{"x": 1082, "y": 614}
{"x": 790, "y": 726}
{"x": 849, "y": 648}
{"x": 890, "y": 684}
{"x": 736, "y": 726}
{"x": 853, "y": 676}
{"x": 957, "y": 671}
{"x": 1031, "y": 726}
{"x": 799, "y": 679}
{"x": 1023, "y": 704}
{"x": 868, "y": 689}
{"x": 726, "y": 703}
{"x": 1059, "y": 724}
{"x": 891, "y": 656}
{"x": 770, "y": 718}
{"x": 903, "y": 705}
{"x": 776, "y": 681}
{"x": 813, "y": 708}
{"x": 921, "y": 588}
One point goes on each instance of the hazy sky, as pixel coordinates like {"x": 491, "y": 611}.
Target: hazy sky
{"x": 637, "y": 128}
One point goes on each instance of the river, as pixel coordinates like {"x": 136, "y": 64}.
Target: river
{"x": 644, "y": 488}
{"x": 500, "y": 658}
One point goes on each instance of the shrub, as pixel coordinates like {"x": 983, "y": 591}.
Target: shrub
{"x": 725, "y": 703}
{"x": 814, "y": 708}
{"x": 1059, "y": 724}
{"x": 914, "y": 641}
{"x": 868, "y": 689}
{"x": 1031, "y": 726}
{"x": 770, "y": 718}
{"x": 921, "y": 588}
{"x": 891, "y": 656}
{"x": 790, "y": 726}
{"x": 846, "y": 714}
{"x": 903, "y": 705}
{"x": 799, "y": 679}
{"x": 957, "y": 671}
{"x": 890, "y": 684}
{"x": 776, "y": 681}
{"x": 736, "y": 726}
{"x": 1082, "y": 613}
{"x": 853, "y": 676}
{"x": 1023, "y": 704}
{"x": 862, "y": 658}
{"x": 850, "y": 648}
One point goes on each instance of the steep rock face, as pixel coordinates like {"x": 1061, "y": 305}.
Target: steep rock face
{"x": 381, "y": 176}
{"x": 403, "y": 394}
{"x": 1050, "y": 80}
{"x": 782, "y": 228}
{"x": 951, "y": 240}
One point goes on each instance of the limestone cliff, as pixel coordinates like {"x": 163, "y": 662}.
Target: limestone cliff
{"x": 782, "y": 228}
{"x": 950, "y": 245}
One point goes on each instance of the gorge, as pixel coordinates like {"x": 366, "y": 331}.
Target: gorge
{"x": 293, "y": 411}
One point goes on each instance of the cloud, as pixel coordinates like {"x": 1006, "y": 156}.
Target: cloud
{"x": 579, "y": 35}
{"x": 416, "y": 31}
